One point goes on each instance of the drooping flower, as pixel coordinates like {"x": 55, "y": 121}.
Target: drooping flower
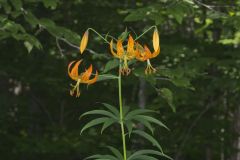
{"x": 144, "y": 53}
{"x": 84, "y": 41}
{"x": 156, "y": 45}
{"x": 124, "y": 55}
{"x": 80, "y": 78}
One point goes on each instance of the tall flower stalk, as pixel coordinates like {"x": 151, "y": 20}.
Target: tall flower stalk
{"x": 121, "y": 112}
{"x": 110, "y": 115}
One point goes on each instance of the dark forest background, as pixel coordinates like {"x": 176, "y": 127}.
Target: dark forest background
{"x": 198, "y": 87}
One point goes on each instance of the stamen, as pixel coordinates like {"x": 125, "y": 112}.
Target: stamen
{"x": 149, "y": 69}
{"x": 125, "y": 69}
{"x": 75, "y": 89}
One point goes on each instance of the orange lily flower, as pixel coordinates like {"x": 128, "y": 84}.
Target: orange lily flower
{"x": 123, "y": 55}
{"x": 144, "y": 53}
{"x": 80, "y": 78}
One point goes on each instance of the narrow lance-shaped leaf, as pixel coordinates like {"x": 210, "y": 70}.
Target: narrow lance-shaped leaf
{"x": 99, "y": 112}
{"x": 144, "y": 157}
{"x": 133, "y": 113}
{"x": 129, "y": 125}
{"x": 149, "y": 138}
{"x": 153, "y": 120}
{"x": 145, "y": 123}
{"x": 94, "y": 123}
{"x": 102, "y": 157}
{"x": 107, "y": 124}
{"x": 147, "y": 152}
{"x": 116, "y": 152}
{"x": 112, "y": 109}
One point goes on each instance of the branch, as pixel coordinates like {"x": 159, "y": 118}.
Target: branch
{"x": 59, "y": 47}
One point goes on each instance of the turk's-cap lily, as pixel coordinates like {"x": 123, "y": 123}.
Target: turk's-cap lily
{"x": 83, "y": 78}
{"x": 122, "y": 54}
{"x": 144, "y": 53}
{"x": 84, "y": 41}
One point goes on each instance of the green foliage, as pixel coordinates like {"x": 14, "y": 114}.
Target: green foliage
{"x": 144, "y": 153}
{"x": 110, "y": 117}
{"x": 149, "y": 138}
{"x": 111, "y": 65}
{"x": 197, "y": 75}
{"x": 167, "y": 94}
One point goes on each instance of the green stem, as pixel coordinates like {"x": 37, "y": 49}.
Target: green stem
{"x": 98, "y": 34}
{"x": 121, "y": 113}
{"x": 145, "y": 32}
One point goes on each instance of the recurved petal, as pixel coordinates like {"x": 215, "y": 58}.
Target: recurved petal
{"x": 112, "y": 50}
{"x": 93, "y": 80}
{"x": 156, "y": 53}
{"x": 86, "y": 75}
{"x": 120, "y": 49}
{"x": 73, "y": 73}
{"x": 130, "y": 45}
{"x": 148, "y": 53}
{"x": 155, "y": 40}
{"x": 84, "y": 41}
{"x": 139, "y": 47}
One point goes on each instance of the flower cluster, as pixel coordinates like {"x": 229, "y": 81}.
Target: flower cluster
{"x": 135, "y": 51}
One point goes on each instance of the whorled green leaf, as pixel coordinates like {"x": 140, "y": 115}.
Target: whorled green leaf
{"x": 144, "y": 157}
{"x": 99, "y": 112}
{"x": 135, "y": 112}
{"x": 129, "y": 125}
{"x": 108, "y": 124}
{"x": 102, "y": 157}
{"x": 94, "y": 122}
{"x": 153, "y": 120}
{"x": 112, "y": 109}
{"x": 147, "y": 152}
{"x": 149, "y": 138}
{"x": 145, "y": 123}
{"x": 116, "y": 152}
{"x": 125, "y": 110}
